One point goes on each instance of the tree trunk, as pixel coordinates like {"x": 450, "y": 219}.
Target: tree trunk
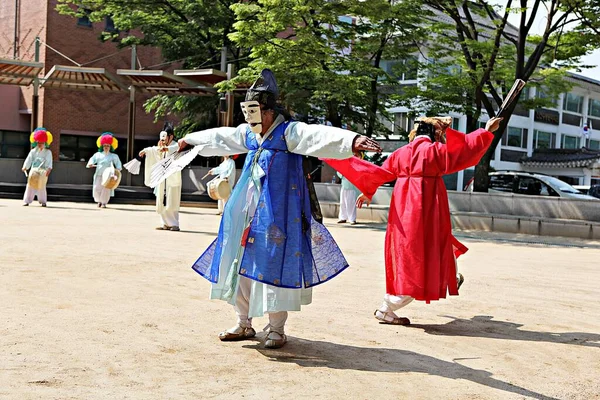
{"x": 481, "y": 178}
{"x": 333, "y": 114}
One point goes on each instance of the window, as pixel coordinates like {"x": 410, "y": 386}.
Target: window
{"x": 540, "y": 93}
{"x": 573, "y": 103}
{"x": 543, "y": 140}
{"x": 403, "y": 123}
{"x": 571, "y": 119}
{"x": 403, "y": 70}
{"x": 455, "y": 123}
{"x": 501, "y": 183}
{"x": 594, "y": 108}
{"x": 109, "y": 25}
{"x": 535, "y": 187}
{"x": 14, "y": 144}
{"x": 77, "y": 148}
{"x": 515, "y": 137}
{"x": 84, "y": 20}
{"x": 594, "y": 145}
{"x": 569, "y": 142}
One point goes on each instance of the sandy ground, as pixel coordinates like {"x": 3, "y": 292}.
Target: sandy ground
{"x": 96, "y": 304}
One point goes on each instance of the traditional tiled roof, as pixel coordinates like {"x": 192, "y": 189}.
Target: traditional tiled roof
{"x": 562, "y": 158}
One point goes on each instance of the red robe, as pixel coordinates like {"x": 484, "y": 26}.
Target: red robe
{"x": 419, "y": 246}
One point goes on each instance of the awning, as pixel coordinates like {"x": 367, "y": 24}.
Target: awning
{"x": 202, "y": 76}
{"x": 562, "y": 158}
{"x": 82, "y": 78}
{"x": 161, "y": 82}
{"x": 17, "y": 72}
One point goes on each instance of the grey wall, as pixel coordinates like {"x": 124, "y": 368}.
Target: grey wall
{"x": 493, "y": 204}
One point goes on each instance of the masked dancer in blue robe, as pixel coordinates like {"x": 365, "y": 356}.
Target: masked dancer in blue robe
{"x": 270, "y": 251}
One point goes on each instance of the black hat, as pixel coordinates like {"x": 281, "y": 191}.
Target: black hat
{"x": 264, "y": 89}
{"x": 168, "y": 127}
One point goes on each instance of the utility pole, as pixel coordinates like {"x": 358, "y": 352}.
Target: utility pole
{"x": 17, "y": 24}
{"x": 36, "y": 87}
{"x": 229, "y": 98}
{"x": 131, "y": 121}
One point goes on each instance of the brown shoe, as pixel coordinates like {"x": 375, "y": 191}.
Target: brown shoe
{"x": 162, "y": 228}
{"x": 341, "y": 221}
{"x": 390, "y": 318}
{"x": 174, "y": 228}
{"x": 244, "y": 333}
{"x": 275, "y": 340}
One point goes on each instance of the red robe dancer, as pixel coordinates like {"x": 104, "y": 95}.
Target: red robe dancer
{"x": 419, "y": 247}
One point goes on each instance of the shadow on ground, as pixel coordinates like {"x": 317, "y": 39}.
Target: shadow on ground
{"x": 309, "y": 353}
{"x": 485, "y": 327}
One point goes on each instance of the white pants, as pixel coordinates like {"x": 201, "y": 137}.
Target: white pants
{"x": 101, "y": 194}
{"x": 242, "y": 307}
{"x": 347, "y": 205}
{"x": 30, "y": 194}
{"x": 169, "y": 218}
{"x": 221, "y": 205}
{"x": 393, "y": 303}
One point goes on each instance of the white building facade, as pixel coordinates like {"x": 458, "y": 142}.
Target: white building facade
{"x": 535, "y": 139}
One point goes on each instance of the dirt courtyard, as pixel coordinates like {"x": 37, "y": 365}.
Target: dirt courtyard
{"x": 96, "y": 304}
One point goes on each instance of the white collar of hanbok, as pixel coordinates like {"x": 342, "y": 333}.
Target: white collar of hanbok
{"x": 261, "y": 138}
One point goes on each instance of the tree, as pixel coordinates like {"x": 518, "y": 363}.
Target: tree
{"x": 191, "y": 32}
{"x": 473, "y": 61}
{"x": 328, "y": 55}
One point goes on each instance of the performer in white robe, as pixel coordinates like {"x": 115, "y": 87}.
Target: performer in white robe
{"x": 168, "y": 193}
{"x": 225, "y": 170}
{"x": 267, "y": 138}
{"x": 103, "y": 159}
{"x": 39, "y": 157}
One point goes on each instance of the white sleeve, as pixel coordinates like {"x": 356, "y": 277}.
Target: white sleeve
{"x": 92, "y": 161}
{"x": 319, "y": 140}
{"x": 230, "y": 168}
{"x": 222, "y": 141}
{"x": 48, "y": 158}
{"x": 28, "y": 160}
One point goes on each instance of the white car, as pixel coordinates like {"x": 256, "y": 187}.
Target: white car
{"x": 530, "y": 184}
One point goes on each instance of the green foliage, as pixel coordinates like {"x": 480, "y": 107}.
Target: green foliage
{"x": 328, "y": 65}
{"x": 191, "y": 32}
{"x": 472, "y": 62}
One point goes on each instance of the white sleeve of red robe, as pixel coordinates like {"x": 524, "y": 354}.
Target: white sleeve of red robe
{"x": 464, "y": 151}
{"x": 366, "y": 176}
{"x": 319, "y": 140}
{"x": 224, "y": 141}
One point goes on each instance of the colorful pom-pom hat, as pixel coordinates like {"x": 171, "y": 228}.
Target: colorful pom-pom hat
{"x": 107, "y": 138}
{"x": 40, "y": 135}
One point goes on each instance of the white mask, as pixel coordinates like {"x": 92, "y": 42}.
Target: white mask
{"x": 163, "y": 135}
{"x": 251, "y": 110}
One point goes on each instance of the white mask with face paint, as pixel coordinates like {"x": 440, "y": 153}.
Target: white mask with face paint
{"x": 251, "y": 110}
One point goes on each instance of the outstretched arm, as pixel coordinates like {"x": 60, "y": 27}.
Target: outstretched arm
{"x": 326, "y": 141}
{"x": 367, "y": 177}
{"x": 464, "y": 151}
{"x": 222, "y": 141}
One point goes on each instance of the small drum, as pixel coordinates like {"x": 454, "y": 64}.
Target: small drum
{"x": 219, "y": 189}
{"x": 111, "y": 178}
{"x": 37, "y": 178}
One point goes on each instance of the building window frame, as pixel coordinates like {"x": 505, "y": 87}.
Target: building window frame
{"x": 570, "y": 100}
{"x": 509, "y": 139}
{"x": 536, "y": 139}
{"x": 564, "y": 138}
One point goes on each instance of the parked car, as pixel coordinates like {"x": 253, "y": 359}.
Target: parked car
{"x": 530, "y": 184}
{"x": 594, "y": 191}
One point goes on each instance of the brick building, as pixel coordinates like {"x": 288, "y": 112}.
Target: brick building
{"x": 75, "y": 117}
